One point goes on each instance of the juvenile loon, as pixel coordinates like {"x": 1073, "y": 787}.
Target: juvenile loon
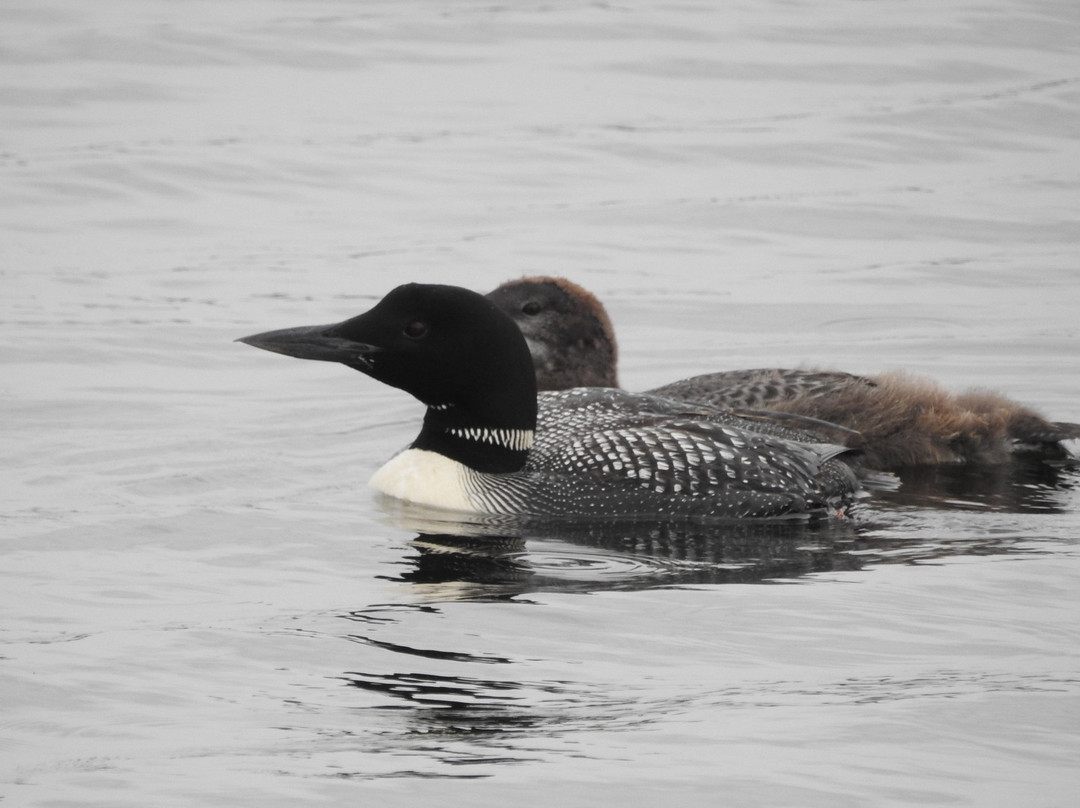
{"x": 490, "y": 444}
{"x": 897, "y": 420}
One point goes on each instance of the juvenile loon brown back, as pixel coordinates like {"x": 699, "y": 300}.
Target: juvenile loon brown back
{"x": 900, "y": 420}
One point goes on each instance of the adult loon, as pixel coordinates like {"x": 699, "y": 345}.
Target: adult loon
{"x": 897, "y": 420}
{"x": 490, "y": 444}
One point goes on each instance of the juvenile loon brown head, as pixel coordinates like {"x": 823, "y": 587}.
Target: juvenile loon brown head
{"x": 567, "y": 329}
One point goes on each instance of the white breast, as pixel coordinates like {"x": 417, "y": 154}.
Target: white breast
{"x": 426, "y": 478}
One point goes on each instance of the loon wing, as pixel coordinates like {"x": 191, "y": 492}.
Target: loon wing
{"x": 759, "y": 387}
{"x": 665, "y": 448}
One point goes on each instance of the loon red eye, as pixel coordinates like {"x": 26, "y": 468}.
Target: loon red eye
{"x": 415, "y": 330}
{"x": 531, "y": 308}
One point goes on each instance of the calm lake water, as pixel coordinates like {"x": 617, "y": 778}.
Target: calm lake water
{"x": 203, "y": 605}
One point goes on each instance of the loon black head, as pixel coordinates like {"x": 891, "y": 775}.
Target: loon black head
{"x": 451, "y": 348}
{"x": 567, "y": 329}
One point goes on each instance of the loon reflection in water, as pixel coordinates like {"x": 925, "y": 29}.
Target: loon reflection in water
{"x": 500, "y": 558}
{"x": 501, "y": 563}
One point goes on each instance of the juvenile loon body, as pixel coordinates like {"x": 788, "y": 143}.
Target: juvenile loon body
{"x": 489, "y": 444}
{"x": 896, "y": 420}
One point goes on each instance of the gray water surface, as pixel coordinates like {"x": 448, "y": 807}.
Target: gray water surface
{"x": 203, "y": 605}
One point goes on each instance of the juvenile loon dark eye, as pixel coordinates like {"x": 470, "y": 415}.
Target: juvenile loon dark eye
{"x": 531, "y": 308}
{"x": 415, "y": 330}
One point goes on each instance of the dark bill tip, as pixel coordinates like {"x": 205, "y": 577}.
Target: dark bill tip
{"x": 312, "y": 342}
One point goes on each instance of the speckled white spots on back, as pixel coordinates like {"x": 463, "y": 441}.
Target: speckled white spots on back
{"x": 607, "y": 452}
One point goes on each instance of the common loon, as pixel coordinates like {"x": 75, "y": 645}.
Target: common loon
{"x": 490, "y": 444}
{"x": 897, "y": 420}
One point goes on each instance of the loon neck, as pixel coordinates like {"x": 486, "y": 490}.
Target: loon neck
{"x": 482, "y": 446}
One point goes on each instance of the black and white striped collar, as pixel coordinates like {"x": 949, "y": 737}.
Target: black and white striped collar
{"x": 518, "y": 440}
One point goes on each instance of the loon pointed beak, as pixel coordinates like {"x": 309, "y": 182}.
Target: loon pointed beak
{"x": 314, "y": 342}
